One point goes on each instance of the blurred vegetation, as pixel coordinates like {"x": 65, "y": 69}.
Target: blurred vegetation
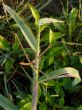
{"x": 60, "y": 44}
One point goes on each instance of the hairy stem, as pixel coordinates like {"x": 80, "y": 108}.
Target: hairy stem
{"x": 36, "y": 72}
{"x": 35, "y": 95}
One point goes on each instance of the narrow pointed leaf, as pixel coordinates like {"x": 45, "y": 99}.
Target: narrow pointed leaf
{"x": 72, "y": 17}
{"x": 51, "y": 37}
{"x": 34, "y": 13}
{"x": 30, "y": 38}
{"x": 61, "y": 73}
{"x": 6, "y": 104}
{"x": 72, "y": 20}
{"x": 43, "y": 21}
{"x": 16, "y": 43}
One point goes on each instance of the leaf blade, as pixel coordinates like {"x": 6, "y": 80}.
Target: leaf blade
{"x": 60, "y": 73}
{"x": 34, "y": 13}
{"x": 29, "y": 37}
{"x": 72, "y": 17}
{"x": 4, "y": 44}
{"x": 6, "y": 104}
{"x": 16, "y": 43}
{"x": 43, "y": 21}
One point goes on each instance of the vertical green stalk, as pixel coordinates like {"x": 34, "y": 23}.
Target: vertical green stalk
{"x": 36, "y": 74}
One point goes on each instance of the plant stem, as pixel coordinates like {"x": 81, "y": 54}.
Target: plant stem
{"x": 35, "y": 95}
{"x": 36, "y": 72}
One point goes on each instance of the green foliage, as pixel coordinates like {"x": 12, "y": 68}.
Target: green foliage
{"x": 42, "y": 105}
{"x": 54, "y": 36}
{"x": 8, "y": 65}
{"x": 72, "y": 17}
{"x": 72, "y": 20}
{"x": 44, "y": 21}
{"x": 35, "y": 13}
{"x": 53, "y": 57}
{"x": 65, "y": 72}
{"x": 30, "y": 38}
{"x": 6, "y": 104}
{"x": 16, "y": 43}
{"x": 25, "y": 104}
{"x": 4, "y": 44}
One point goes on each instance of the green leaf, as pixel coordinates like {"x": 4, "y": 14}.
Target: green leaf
{"x": 72, "y": 16}
{"x": 16, "y": 43}
{"x": 43, "y": 21}
{"x": 29, "y": 51}
{"x": 8, "y": 65}
{"x": 24, "y": 101}
{"x": 58, "y": 35}
{"x": 6, "y": 104}
{"x": 61, "y": 73}
{"x": 51, "y": 59}
{"x": 72, "y": 20}
{"x": 4, "y": 44}
{"x": 80, "y": 58}
{"x": 39, "y": 92}
{"x": 25, "y": 104}
{"x": 76, "y": 81}
{"x": 30, "y": 38}
{"x": 43, "y": 27}
{"x": 42, "y": 61}
{"x": 50, "y": 83}
{"x": 54, "y": 51}
{"x": 51, "y": 37}
{"x": 34, "y": 13}
{"x": 42, "y": 106}
{"x": 61, "y": 102}
{"x": 60, "y": 26}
